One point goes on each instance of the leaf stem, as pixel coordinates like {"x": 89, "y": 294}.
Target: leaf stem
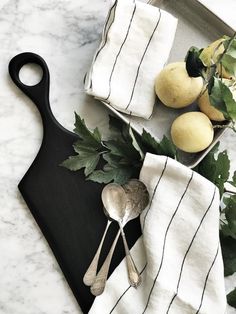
{"x": 210, "y": 74}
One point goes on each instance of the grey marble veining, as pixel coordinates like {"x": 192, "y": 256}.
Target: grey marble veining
{"x": 65, "y": 33}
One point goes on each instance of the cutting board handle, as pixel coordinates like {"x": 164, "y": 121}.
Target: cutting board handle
{"x": 38, "y": 93}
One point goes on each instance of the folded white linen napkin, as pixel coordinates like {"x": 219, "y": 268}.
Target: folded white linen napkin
{"x": 179, "y": 253}
{"x": 136, "y": 42}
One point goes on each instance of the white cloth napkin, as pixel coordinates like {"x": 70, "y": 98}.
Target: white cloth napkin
{"x": 179, "y": 254}
{"x": 136, "y": 42}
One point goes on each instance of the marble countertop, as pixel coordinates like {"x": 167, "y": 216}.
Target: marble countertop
{"x": 65, "y": 33}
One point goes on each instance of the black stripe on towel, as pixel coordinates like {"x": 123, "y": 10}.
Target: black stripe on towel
{"x": 154, "y": 192}
{"x": 145, "y": 51}
{"x": 106, "y": 32}
{"x": 121, "y": 47}
{"x": 185, "y": 256}
{"x": 164, "y": 244}
{"x": 125, "y": 292}
{"x": 205, "y": 284}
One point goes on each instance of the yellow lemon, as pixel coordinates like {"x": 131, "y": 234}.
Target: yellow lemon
{"x": 192, "y": 132}
{"x": 175, "y": 88}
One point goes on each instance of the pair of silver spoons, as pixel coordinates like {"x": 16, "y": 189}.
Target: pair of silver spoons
{"x": 121, "y": 204}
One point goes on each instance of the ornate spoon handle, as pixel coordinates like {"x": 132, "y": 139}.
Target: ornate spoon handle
{"x": 91, "y": 272}
{"x": 133, "y": 274}
{"x": 100, "y": 282}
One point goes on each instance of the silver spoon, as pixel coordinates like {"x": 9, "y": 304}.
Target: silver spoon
{"x": 137, "y": 200}
{"x": 116, "y": 195}
{"x": 138, "y": 197}
{"x": 91, "y": 272}
{"x": 114, "y": 200}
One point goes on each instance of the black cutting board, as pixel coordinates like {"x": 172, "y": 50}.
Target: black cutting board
{"x": 67, "y": 208}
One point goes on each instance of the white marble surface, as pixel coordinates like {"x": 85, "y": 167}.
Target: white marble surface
{"x": 65, "y": 33}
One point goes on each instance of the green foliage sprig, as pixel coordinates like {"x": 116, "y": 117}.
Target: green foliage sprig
{"x": 121, "y": 157}
{"x": 211, "y": 67}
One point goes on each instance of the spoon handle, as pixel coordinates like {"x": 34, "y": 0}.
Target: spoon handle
{"x": 91, "y": 272}
{"x": 133, "y": 274}
{"x": 99, "y": 284}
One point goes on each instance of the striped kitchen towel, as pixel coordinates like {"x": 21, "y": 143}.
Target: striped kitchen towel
{"x": 179, "y": 254}
{"x": 136, "y": 42}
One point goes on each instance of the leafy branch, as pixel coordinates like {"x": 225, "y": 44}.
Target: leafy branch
{"x": 231, "y": 298}
{"x": 217, "y": 66}
{"x": 117, "y": 159}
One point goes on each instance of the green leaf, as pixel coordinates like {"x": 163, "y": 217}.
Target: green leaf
{"x": 228, "y": 246}
{"x": 88, "y": 147}
{"x": 124, "y": 133}
{"x": 91, "y": 139}
{"x": 87, "y": 160}
{"x": 215, "y": 168}
{"x": 223, "y": 167}
{"x": 228, "y": 59}
{"x": 233, "y": 182}
{"x": 97, "y": 135}
{"x": 165, "y": 147}
{"x": 112, "y": 160}
{"x": 101, "y": 176}
{"x": 150, "y": 144}
{"x": 117, "y": 175}
{"x": 122, "y": 149}
{"x": 229, "y": 63}
{"x": 216, "y": 95}
{"x": 194, "y": 64}
{"x": 234, "y": 179}
{"x": 229, "y": 102}
{"x": 168, "y": 148}
{"x": 222, "y": 98}
{"x": 230, "y": 46}
{"x": 231, "y": 298}
{"x": 230, "y": 215}
{"x": 141, "y": 144}
{"x": 230, "y": 210}
{"x": 121, "y": 130}
{"x": 81, "y": 146}
{"x": 115, "y": 124}
{"x": 207, "y": 166}
{"x": 227, "y": 232}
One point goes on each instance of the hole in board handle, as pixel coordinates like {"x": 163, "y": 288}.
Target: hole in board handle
{"x": 31, "y": 74}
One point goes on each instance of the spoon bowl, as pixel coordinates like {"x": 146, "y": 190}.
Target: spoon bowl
{"x": 114, "y": 199}
{"x": 138, "y": 198}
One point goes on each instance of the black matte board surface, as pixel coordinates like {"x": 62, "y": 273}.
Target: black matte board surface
{"x": 67, "y": 208}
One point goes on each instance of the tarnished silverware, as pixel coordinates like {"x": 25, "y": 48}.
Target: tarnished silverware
{"x": 136, "y": 198}
{"x": 91, "y": 272}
